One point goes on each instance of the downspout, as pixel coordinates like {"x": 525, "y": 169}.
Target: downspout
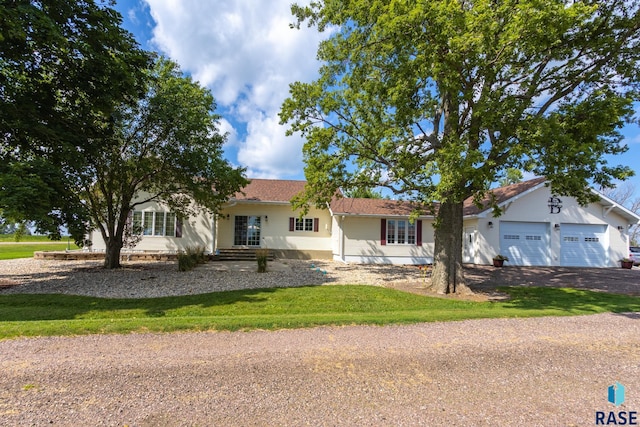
{"x": 214, "y": 228}
{"x": 341, "y": 242}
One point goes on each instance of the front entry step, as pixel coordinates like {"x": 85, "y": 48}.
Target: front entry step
{"x": 238, "y": 254}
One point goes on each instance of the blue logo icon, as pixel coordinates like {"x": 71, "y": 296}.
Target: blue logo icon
{"x": 616, "y": 394}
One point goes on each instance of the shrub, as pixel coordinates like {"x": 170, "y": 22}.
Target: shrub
{"x": 191, "y": 257}
{"x": 262, "y": 256}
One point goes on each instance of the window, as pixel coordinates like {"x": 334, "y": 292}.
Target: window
{"x": 156, "y": 223}
{"x": 401, "y": 232}
{"x": 391, "y": 232}
{"x": 304, "y": 224}
{"x": 147, "y": 223}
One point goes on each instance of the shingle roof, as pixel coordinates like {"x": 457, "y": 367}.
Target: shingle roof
{"x": 348, "y": 206}
{"x": 282, "y": 191}
{"x": 401, "y": 208}
{"x": 269, "y": 190}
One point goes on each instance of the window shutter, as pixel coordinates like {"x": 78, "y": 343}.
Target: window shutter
{"x": 178, "y": 227}
{"x": 383, "y": 232}
{"x": 419, "y": 232}
{"x": 292, "y": 223}
{"x": 316, "y": 224}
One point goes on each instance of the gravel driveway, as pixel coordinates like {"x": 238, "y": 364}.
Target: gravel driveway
{"x": 504, "y": 372}
{"x": 499, "y": 372}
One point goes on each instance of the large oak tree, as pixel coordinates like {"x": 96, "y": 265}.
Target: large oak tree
{"x": 436, "y": 99}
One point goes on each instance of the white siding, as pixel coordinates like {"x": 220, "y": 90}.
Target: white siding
{"x": 196, "y": 231}
{"x": 361, "y": 243}
{"x": 274, "y": 224}
{"x": 532, "y": 208}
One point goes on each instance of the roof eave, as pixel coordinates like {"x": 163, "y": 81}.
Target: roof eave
{"x": 621, "y": 210}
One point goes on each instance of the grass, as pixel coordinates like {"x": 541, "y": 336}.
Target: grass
{"x": 46, "y": 315}
{"x": 10, "y": 238}
{"x": 26, "y": 250}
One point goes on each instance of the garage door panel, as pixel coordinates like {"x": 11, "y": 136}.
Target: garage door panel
{"x": 583, "y": 245}
{"x": 525, "y": 243}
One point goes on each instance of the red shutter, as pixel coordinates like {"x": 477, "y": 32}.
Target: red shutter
{"x": 316, "y": 224}
{"x": 292, "y": 223}
{"x": 178, "y": 226}
{"x": 383, "y": 232}
{"x": 419, "y": 232}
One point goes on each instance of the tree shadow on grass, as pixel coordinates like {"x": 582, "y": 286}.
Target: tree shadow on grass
{"x": 33, "y": 307}
{"x": 569, "y": 300}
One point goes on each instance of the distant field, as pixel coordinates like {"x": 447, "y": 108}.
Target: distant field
{"x": 26, "y": 250}
{"x": 11, "y": 238}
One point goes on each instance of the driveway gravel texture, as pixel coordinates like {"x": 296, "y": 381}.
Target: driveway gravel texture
{"x": 493, "y": 372}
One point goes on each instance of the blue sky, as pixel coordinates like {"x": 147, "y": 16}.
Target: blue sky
{"x": 246, "y": 54}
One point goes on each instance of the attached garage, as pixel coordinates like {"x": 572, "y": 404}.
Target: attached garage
{"x": 583, "y": 245}
{"x": 525, "y": 243}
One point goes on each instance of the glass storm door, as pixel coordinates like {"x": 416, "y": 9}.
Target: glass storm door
{"x": 246, "y": 231}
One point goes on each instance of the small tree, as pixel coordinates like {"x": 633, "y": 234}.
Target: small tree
{"x": 166, "y": 149}
{"x": 511, "y": 176}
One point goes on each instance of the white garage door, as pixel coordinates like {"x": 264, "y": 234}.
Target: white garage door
{"x": 525, "y": 243}
{"x": 583, "y": 245}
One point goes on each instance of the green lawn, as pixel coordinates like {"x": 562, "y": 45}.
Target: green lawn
{"x": 10, "y": 238}
{"x": 34, "y": 315}
{"x": 26, "y": 250}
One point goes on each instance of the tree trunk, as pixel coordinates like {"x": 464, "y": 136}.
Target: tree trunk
{"x": 448, "y": 275}
{"x": 112, "y": 253}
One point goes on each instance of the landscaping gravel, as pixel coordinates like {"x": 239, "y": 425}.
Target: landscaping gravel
{"x": 155, "y": 279}
{"x": 497, "y": 372}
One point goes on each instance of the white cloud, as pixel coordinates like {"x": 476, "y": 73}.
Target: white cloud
{"x": 247, "y": 55}
{"x": 267, "y": 152}
{"x": 232, "y": 134}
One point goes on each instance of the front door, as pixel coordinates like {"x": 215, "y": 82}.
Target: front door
{"x": 469, "y": 245}
{"x": 246, "y": 231}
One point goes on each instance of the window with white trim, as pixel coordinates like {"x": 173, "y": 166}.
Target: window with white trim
{"x": 154, "y": 223}
{"x": 401, "y": 232}
{"x": 304, "y": 224}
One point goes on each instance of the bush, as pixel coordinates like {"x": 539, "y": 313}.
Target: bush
{"x": 191, "y": 257}
{"x": 262, "y": 255}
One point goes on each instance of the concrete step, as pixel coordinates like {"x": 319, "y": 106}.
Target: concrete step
{"x": 237, "y": 254}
